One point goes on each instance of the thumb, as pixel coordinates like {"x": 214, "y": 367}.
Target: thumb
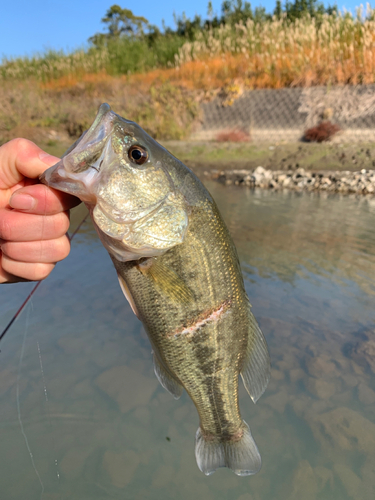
{"x": 21, "y": 158}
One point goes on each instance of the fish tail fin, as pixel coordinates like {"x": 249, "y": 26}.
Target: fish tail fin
{"x": 240, "y": 455}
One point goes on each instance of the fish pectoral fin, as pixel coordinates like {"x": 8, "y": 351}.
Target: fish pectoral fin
{"x": 256, "y": 369}
{"x": 166, "y": 379}
{"x": 128, "y": 295}
{"x": 240, "y": 455}
{"x": 168, "y": 282}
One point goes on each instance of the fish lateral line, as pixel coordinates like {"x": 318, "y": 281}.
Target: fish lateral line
{"x": 212, "y": 315}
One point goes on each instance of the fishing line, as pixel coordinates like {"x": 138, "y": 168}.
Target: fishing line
{"x": 18, "y": 402}
{"x": 35, "y": 287}
{"x": 48, "y": 412}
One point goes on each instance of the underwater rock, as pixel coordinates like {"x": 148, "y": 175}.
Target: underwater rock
{"x": 343, "y": 429}
{"x": 163, "y": 476}
{"x": 353, "y": 484}
{"x": 362, "y": 352}
{"x": 72, "y": 463}
{"x": 368, "y": 478}
{"x": 321, "y": 388}
{"x": 127, "y": 387}
{"x": 304, "y": 483}
{"x": 277, "y": 401}
{"x": 296, "y": 374}
{"x": 120, "y": 466}
{"x": 365, "y": 394}
{"x": 323, "y": 476}
{"x": 320, "y": 366}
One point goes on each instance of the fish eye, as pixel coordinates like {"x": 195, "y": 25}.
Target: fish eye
{"x": 138, "y": 155}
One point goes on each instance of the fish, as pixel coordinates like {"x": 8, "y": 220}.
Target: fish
{"x": 179, "y": 270}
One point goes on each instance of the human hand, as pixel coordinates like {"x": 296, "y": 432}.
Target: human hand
{"x": 34, "y": 218}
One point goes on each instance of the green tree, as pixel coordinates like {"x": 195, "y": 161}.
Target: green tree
{"x": 120, "y": 22}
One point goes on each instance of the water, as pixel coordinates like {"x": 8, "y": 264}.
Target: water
{"x": 83, "y": 417}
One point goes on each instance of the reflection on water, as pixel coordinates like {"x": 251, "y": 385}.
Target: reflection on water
{"x": 83, "y": 417}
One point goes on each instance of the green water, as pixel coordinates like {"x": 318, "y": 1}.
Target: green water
{"x": 83, "y": 417}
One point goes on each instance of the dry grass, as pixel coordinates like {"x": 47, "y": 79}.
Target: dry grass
{"x": 68, "y": 105}
{"x": 274, "y": 54}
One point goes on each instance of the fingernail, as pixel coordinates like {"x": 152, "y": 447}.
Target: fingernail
{"x": 48, "y": 159}
{"x": 21, "y": 201}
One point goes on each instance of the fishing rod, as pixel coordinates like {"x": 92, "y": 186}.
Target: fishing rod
{"x": 6, "y": 329}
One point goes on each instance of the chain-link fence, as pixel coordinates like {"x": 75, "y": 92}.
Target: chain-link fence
{"x": 345, "y": 112}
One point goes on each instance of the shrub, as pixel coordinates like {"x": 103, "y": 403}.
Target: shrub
{"x": 234, "y": 135}
{"x": 322, "y": 132}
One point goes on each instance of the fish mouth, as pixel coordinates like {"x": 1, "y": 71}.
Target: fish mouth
{"x": 68, "y": 175}
{"x": 58, "y": 178}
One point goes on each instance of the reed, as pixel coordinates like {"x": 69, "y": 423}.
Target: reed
{"x": 271, "y": 52}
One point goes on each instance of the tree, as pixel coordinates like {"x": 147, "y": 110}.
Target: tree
{"x": 120, "y": 22}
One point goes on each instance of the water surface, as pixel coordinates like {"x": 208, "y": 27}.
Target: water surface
{"x": 83, "y": 417}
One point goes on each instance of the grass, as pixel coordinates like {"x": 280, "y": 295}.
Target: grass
{"x": 271, "y": 52}
{"x": 161, "y": 85}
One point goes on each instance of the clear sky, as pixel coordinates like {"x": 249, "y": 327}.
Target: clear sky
{"x": 31, "y": 26}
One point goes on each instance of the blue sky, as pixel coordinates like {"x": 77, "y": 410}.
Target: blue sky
{"x": 31, "y": 26}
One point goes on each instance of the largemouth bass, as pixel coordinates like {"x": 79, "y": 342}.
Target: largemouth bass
{"x": 179, "y": 270}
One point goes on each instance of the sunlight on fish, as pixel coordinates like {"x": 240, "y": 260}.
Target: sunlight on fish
{"x": 179, "y": 270}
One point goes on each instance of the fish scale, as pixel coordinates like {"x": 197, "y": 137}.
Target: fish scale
{"x": 178, "y": 268}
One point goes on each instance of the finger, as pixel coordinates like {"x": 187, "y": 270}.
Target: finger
{"x": 40, "y": 199}
{"x": 17, "y": 226}
{"x": 22, "y": 158}
{"x": 26, "y": 270}
{"x": 47, "y": 251}
{"x": 6, "y": 277}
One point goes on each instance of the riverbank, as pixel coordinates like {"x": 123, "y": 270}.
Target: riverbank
{"x": 344, "y": 182}
{"x": 333, "y": 167}
{"x": 206, "y": 156}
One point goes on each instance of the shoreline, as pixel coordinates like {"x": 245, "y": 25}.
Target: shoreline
{"x": 344, "y": 182}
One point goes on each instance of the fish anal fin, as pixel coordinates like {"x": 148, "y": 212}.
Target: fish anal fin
{"x": 256, "y": 368}
{"x": 166, "y": 280}
{"x": 240, "y": 455}
{"x": 166, "y": 380}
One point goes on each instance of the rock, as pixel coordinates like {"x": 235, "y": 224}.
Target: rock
{"x": 351, "y": 482}
{"x": 344, "y": 182}
{"x": 296, "y": 374}
{"x": 363, "y": 352}
{"x": 304, "y": 484}
{"x": 320, "y": 366}
{"x": 120, "y": 466}
{"x": 323, "y": 476}
{"x": 342, "y": 429}
{"x": 71, "y": 466}
{"x": 127, "y": 387}
{"x": 365, "y": 394}
{"x": 277, "y": 401}
{"x": 163, "y": 476}
{"x": 368, "y": 475}
{"x": 321, "y": 388}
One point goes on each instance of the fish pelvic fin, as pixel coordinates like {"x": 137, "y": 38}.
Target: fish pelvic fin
{"x": 240, "y": 455}
{"x": 256, "y": 369}
{"x": 167, "y": 381}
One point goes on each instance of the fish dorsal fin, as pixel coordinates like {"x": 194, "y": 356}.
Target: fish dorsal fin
{"x": 256, "y": 369}
{"x": 167, "y": 280}
{"x": 166, "y": 379}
